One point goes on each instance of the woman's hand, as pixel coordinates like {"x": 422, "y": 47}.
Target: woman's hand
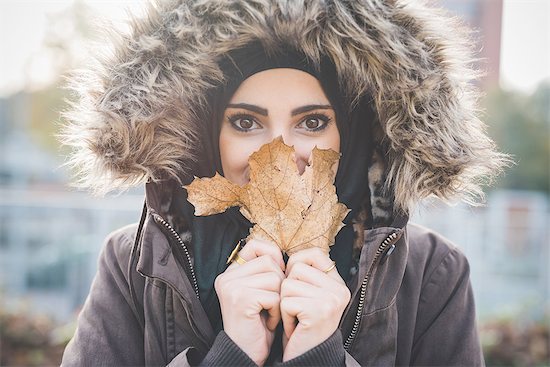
{"x": 249, "y": 297}
{"x": 312, "y": 301}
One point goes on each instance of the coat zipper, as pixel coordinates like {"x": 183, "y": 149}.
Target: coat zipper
{"x": 176, "y": 236}
{"x": 390, "y": 240}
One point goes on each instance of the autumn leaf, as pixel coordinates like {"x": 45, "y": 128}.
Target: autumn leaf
{"x": 296, "y": 212}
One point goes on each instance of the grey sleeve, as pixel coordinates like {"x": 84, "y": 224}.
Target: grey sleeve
{"x": 331, "y": 352}
{"x": 109, "y": 332}
{"x": 225, "y": 352}
{"x": 446, "y": 332}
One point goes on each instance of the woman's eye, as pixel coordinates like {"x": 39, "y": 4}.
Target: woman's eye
{"x": 315, "y": 123}
{"x": 243, "y": 123}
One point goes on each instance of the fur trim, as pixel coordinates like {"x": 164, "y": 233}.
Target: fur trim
{"x": 136, "y": 116}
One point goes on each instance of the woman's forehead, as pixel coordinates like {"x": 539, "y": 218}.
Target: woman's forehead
{"x": 282, "y": 85}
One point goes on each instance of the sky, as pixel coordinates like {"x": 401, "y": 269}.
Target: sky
{"x": 525, "y": 44}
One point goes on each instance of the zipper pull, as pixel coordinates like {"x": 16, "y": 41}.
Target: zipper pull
{"x": 387, "y": 254}
{"x": 390, "y": 243}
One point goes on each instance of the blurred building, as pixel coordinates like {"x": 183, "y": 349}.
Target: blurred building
{"x": 50, "y": 237}
{"x": 49, "y": 244}
{"x": 508, "y": 246}
{"x": 485, "y": 17}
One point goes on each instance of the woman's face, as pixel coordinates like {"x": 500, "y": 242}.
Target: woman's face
{"x": 276, "y": 102}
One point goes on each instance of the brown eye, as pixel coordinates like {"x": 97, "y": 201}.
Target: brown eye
{"x": 245, "y": 123}
{"x": 312, "y": 123}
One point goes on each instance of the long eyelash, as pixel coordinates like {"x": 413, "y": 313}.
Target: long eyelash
{"x": 327, "y": 119}
{"x": 239, "y": 115}
{"x": 234, "y": 117}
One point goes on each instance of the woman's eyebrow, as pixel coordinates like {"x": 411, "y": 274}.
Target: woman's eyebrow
{"x": 251, "y": 107}
{"x": 310, "y": 107}
{"x": 262, "y": 111}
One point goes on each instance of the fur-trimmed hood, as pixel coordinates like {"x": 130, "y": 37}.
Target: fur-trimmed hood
{"x": 136, "y": 118}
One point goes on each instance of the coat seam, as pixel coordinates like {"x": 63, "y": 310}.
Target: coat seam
{"x": 170, "y": 327}
{"x": 429, "y": 279}
{"x": 450, "y": 296}
{"x": 161, "y": 286}
{"x": 129, "y": 273}
{"x": 381, "y": 308}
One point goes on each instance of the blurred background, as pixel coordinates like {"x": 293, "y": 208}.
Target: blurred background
{"x": 50, "y": 234}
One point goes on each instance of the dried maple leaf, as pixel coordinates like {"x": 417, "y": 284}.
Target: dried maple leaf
{"x": 295, "y": 212}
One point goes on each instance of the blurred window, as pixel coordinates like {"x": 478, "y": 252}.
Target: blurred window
{"x": 48, "y": 276}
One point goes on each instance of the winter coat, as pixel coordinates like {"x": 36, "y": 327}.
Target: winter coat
{"x": 417, "y": 306}
{"x": 136, "y": 120}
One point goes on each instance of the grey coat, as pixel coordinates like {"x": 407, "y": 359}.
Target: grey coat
{"x": 417, "y": 307}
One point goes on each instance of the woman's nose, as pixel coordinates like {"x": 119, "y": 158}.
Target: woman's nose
{"x": 287, "y": 138}
{"x": 301, "y": 150}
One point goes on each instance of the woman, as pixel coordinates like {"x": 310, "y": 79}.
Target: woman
{"x": 198, "y": 87}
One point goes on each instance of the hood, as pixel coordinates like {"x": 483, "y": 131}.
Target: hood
{"x": 135, "y": 118}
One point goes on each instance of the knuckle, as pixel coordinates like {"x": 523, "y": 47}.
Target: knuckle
{"x": 292, "y": 258}
{"x": 276, "y": 298}
{"x": 341, "y": 299}
{"x": 337, "y": 305}
{"x": 344, "y": 294}
{"x": 283, "y": 288}
{"x": 318, "y": 251}
{"x": 262, "y": 246}
{"x": 269, "y": 262}
{"x": 347, "y": 295}
{"x": 236, "y": 296}
{"x": 295, "y": 258}
{"x": 265, "y": 260}
{"x": 272, "y": 261}
{"x": 277, "y": 277}
{"x": 219, "y": 281}
{"x": 248, "y": 248}
{"x": 274, "y": 279}
{"x": 284, "y": 304}
{"x": 285, "y": 284}
{"x": 299, "y": 268}
{"x": 327, "y": 309}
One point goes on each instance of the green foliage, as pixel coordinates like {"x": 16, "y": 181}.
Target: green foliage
{"x": 520, "y": 125}
{"x": 45, "y": 108}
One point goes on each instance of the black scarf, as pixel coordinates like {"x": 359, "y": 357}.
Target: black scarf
{"x": 214, "y": 237}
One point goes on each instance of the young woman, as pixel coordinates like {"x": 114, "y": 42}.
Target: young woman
{"x": 196, "y": 89}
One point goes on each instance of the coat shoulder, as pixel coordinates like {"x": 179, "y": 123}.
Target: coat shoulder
{"x": 117, "y": 248}
{"x": 437, "y": 285}
{"x": 429, "y": 250}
